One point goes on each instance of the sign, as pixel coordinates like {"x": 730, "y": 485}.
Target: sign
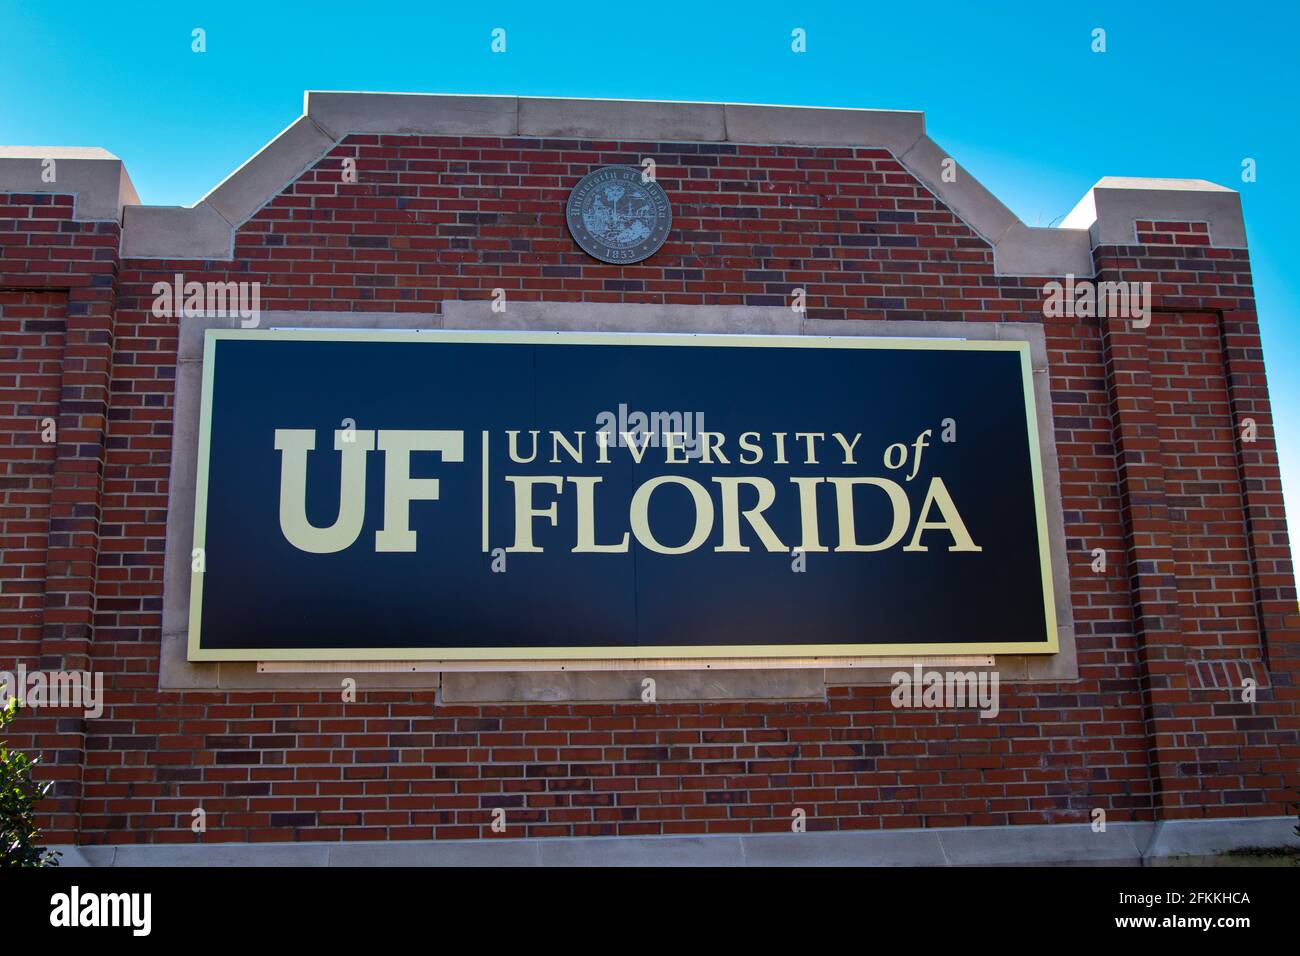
{"x": 618, "y": 215}
{"x": 514, "y": 496}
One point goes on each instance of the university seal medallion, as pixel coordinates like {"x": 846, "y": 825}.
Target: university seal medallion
{"x": 616, "y": 216}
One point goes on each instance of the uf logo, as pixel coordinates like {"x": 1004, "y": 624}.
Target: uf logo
{"x": 400, "y": 489}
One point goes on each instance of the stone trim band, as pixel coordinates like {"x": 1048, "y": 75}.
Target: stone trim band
{"x": 206, "y": 230}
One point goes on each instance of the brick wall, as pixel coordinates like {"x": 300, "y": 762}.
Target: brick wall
{"x": 57, "y": 295}
{"x": 32, "y": 339}
{"x": 1197, "y": 591}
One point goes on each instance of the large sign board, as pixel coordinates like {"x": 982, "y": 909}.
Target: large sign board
{"x": 542, "y": 496}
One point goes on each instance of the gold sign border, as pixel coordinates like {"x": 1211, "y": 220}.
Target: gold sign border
{"x": 212, "y": 336}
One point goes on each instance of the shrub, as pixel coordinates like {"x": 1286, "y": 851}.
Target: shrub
{"x": 19, "y": 794}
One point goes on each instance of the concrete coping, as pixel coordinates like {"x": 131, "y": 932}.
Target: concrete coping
{"x": 1115, "y": 204}
{"x": 206, "y": 230}
{"x": 1216, "y": 842}
{"x": 95, "y": 177}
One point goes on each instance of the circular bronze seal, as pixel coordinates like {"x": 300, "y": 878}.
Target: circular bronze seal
{"x": 615, "y": 216}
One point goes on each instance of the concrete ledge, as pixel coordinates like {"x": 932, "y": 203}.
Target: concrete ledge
{"x": 975, "y": 205}
{"x": 1196, "y": 842}
{"x": 189, "y": 346}
{"x": 622, "y": 119}
{"x": 846, "y": 848}
{"x": 895, "y": 130}
{"x": 1123, "y": 844}
{"x": 1030, "y": 251}
{"x": 1111, "y": 208}
{"x": 339, "y": 114}
{"x": 1104, "y": 216}
{"x": 75, "y": 857}
{"x": 468, "y": 687}
{"x": 1070, "y": 844}
{"x": 209, "y": 855}
{"x": 474, "y": 314}
{"x": 176, "y": 232}
{"x": 278, "y": 163}
{"x": 93, "y": 175}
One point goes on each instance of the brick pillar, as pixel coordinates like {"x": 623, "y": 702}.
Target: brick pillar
{"x": 1261, "y": 487}
{"x": 77, "y": 480}
{"x": 1150, "y": 560}
{"x": 72, "y": 557}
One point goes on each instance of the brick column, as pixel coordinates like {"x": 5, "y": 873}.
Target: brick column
{"x": 1150, "y": 561}
{"x": 50, "y": 250}
{"x": 1261, "y": 486}
{"x": 77, "y": 481}
{"x": 1212, "y": 751}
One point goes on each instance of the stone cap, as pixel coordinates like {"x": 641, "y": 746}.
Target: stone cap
{"x": 93, "y": 175}
{"x": 1105, "y": 216}
{"x": 1115, "y": 203}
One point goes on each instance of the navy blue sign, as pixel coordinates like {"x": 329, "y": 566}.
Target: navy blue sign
{"x": 445, "y": 495}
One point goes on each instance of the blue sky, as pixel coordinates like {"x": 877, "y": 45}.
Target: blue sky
{"x": 1013, "y": 91}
